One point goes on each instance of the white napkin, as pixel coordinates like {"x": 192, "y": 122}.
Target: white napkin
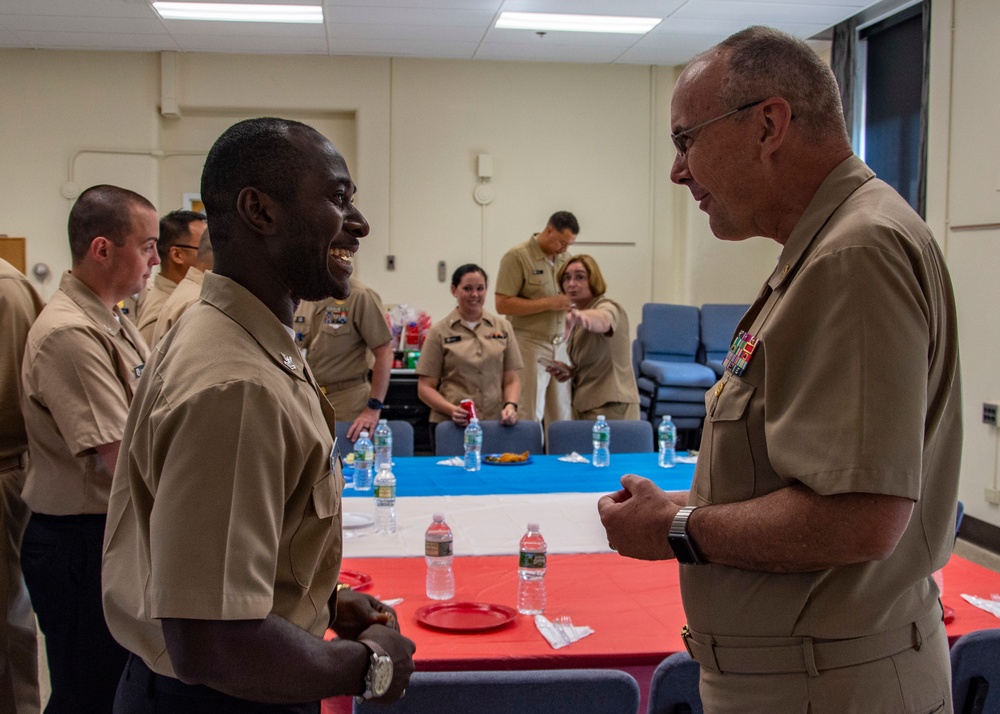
{"x": 453, "y": 461}
{"x": 991, "y": 606}
{"x": 574, "y": 458}
{"x": 687, "y": 459}
{"x": 560, "y": 635}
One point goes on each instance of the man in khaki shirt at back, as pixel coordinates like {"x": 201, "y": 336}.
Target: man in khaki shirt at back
{"x": 528, "y": 293}
{"x": 187, "y": 291}
{"x": 177, "y": 246}
{"x": 81, "y": 364}
{"x": 19, "y": 306}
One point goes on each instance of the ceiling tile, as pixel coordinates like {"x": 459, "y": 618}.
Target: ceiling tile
{"x": 97, "y": 41}
{"x": 409, "y": 16}
{"x": 404, "y": 48}
{"x": 79, "y": 8}
{"x": 420, "y": 33}
{"x": 252, "y": 45}
{"x": 767, "y": 13}
{"x": 62, "y": 23}
{"x": 529, "y": 38}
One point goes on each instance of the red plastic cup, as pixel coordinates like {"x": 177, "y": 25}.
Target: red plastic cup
{"x": 469, "y": 406}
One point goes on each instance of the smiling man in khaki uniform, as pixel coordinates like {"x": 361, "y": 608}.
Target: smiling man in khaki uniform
{"x": 824, "y": 495}
{"x": 19, "y": 307}
{"x": 528, "y": 293}
{"x": 81, "y": 364}
{"x": 222, "y": 556}
{"x": 337, "y": 337}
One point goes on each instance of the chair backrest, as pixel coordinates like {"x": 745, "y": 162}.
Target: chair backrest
{"x": 402, "y": 437}
{"x": 718, "y": 323}
{"x": 669, "y": 333}
{"x": 554, "y": 691}
{"x": 627, "y": 436}
{"x": 674, "y": 686}
{"x": 525, "y": 435}
{"x": 975, "y": 672}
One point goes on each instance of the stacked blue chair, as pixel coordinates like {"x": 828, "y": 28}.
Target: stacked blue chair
{"x": 674, "y": 686}
{"x": 497, "y": 438}
{"x": 975, "y": 673}
{"x": 555, "y": 691}
{"x": 718, "y": 324}
{"x": 671, "y": 380}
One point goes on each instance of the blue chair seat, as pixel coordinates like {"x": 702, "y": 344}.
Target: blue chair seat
{"x": 678, "y": 374}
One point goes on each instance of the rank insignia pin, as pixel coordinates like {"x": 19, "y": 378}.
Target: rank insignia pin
{"x": 288, "y": 361}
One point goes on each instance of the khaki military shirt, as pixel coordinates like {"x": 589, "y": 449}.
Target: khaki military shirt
{"x": 150, "y": 304}
{"x": 470, "y": 363}
{"x": 338, "y": 334}
{"x": 225, "y": 504}
{"x": 19, "y": 306}
{"x": 81, "y": 365}
{"x": 525, "y": 271}
{"x": 184, "y": 296}
{"x": 603, "y": 361}
{"x": 852, "y": 386}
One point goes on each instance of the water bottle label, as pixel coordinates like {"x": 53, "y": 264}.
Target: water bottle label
{"x": 532, "y": 560}
{"x": 379, "y": 440}
{"x": 385, "y": 491}
{"x": 437, "y": 549}
{"x": 471, "y": 440}
{"x": 360, "y": 456}
{"x": 602, "y": 437}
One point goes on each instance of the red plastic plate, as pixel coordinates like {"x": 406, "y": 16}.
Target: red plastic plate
{"x": 356, "y": 579}
{"x": 465, "y": 616}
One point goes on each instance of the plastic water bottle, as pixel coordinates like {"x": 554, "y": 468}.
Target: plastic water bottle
{"x": 473, "y": 445}
{"x": 364, "y": 454}
{"x": 385, "y": 500}
{"x": 602, "y": 442}
{"x": 667, "y": 433}
{"x": 438, "y": 554}
{"x": 383, "y": 444}
{"x": 531, "y": 573}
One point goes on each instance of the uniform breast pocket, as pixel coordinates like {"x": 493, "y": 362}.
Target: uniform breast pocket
{"x": 731, "y": 461}
{"x": 312, "y": 548}
{"x": 331, "y": 332}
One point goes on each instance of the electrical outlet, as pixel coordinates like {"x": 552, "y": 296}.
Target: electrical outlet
{"x": 390, "y": 262}
{"x": 992, "y": 495}
{"x": 990, "y": 413}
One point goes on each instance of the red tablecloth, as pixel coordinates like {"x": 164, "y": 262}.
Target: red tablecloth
{"x": 633, "y": 606}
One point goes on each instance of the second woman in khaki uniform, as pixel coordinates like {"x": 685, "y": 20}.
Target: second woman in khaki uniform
{"x": 470, "y": 354}
{"x": 599, "y": 347}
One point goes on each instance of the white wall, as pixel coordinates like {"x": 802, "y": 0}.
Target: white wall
{"x": 972, "y": 214}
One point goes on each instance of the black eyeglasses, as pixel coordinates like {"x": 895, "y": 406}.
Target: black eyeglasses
{"x": 181, "y": 245}
{"x": 682, "y": 139}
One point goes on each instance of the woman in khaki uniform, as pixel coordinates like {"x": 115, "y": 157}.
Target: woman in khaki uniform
{"x": 470, "y": 354}
{"x": 603, "y": 382}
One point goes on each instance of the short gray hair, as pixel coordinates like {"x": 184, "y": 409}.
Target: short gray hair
{"x": 764, "y": 62}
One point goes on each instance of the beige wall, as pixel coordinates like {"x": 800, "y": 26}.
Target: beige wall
{"x": 588, "y": 138}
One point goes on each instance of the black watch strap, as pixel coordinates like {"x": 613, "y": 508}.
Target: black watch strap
{"x": 374, "y": 403}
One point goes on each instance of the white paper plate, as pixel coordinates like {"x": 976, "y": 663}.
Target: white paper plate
{"x": 358, "y": 520}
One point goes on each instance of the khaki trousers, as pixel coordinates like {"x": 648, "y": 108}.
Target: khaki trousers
{"x": 18, "y": 640}
{"x": 611, "y": 410}
{"x": 911, "y": 682}
{"x": 349, "y": 401}
{"x": 542, "y": 397}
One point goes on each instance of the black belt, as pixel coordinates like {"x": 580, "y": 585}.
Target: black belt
{"x": 13, "y": 462}
{"x": 137, "y": 670}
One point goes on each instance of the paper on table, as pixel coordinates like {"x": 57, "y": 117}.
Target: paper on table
{"x": 574, "y": 458}
{"x": 559, "y": 635}
{"x": 687, "y": 459}
{"x": 453, "y": 461}
{"x": 991, "y": 606}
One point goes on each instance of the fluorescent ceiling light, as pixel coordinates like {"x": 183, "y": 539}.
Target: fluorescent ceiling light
{"x": 239, "y": 12}
{"x": 545, "y": 22}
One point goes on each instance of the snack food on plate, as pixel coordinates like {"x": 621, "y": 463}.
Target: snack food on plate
{"x": 507, "y": 458}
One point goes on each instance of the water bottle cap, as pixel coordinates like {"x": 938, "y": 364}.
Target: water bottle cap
{"x": 474, "y": 420}
{"x": 439, "y": 518}
{"x": 666, "y": 417}
{"x": 385, "y": 466}
{"x": 364, "y": 433}
{"x": 383, "y": 421}
{"x": 532, "y": 526}
{"x": 600, "y": 417}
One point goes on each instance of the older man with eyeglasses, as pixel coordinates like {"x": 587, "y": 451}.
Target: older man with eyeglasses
{"x": 824, "y": 496}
